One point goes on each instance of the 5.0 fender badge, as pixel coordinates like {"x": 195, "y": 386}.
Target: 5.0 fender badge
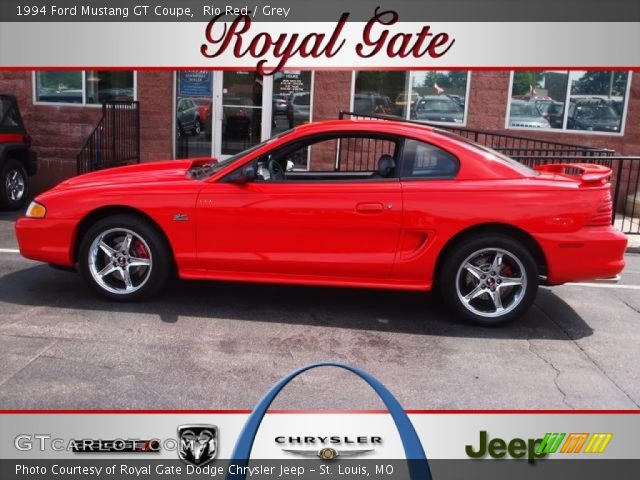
{"x": 181, "y": 217}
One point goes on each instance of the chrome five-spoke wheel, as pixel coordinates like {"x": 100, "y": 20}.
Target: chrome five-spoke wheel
{"x": 491, "y": 282}
{"x": 125, "y": 257}
{"x": 489, "y": 278}
{"x": 120, "y": 261}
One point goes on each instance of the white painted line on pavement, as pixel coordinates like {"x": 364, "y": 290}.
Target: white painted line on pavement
{"x": 604, "y": 285}
{"x": 9, "y": 250}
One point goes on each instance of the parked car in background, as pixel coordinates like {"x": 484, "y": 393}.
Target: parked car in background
{"x": 438, "y": 108}
{"x": 60, "y": 95}
{"x": 555, "y": 114}
{"x": 188, "y": 117}
{"x": 431, "y": 210}
{"x": 459, "y": 99}
{"x": 280, "y": 104}
{"x": 111, "y": 94}
{"x": 204, "y": 110}
{"x": 17, "y": 160}
{"x": 403, "y": 100}
{"x": 542, "y": 102}
{"x": 593, "y": 114}
{"x": 368, "y": 102}
{"x": 525, "y": 114}
{"x": 298, "y": 108}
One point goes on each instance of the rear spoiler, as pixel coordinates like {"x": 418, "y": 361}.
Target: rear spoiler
{"x": 587, "y": 173}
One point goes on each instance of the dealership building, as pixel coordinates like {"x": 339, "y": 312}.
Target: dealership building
{"x": 219, "y": 113}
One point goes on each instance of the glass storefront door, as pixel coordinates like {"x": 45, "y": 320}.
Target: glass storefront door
{"x": 222, "y": 113}
{"x": 194, "y": 115}
{"x": 243, "y": 113}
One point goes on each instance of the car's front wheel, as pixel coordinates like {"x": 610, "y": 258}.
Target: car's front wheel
{"x": 489, "y": 280}
{"x": 124, "y": 257}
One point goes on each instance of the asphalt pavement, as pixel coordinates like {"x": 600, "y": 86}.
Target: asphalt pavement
{"x": 214, "y": 345}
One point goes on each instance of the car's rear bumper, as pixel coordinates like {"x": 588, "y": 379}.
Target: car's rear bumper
{"x": 593, "y": 253}
{"x": 46, "y": 240}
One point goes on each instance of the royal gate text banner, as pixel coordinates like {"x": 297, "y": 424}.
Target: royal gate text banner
{"x": 244, "y": 44}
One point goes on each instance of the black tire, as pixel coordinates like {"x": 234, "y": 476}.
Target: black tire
{"x": 196, "y": 127}
{"x": 152, "y": 242}
{"x": 14, "y": 185}
{"x": 456, "y": 282}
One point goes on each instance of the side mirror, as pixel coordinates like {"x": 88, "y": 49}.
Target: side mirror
{"x": 247, "y": 174}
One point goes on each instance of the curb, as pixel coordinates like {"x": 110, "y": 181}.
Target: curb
{"x": 633, "y": 249}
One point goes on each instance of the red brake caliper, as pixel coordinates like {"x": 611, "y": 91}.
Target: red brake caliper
{"x": 140, "y": 250}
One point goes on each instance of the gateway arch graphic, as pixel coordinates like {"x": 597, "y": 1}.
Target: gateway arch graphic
{"x": 414, "y": 453}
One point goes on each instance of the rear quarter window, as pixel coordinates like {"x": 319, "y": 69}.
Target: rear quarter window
{"x": 424, "y": 160}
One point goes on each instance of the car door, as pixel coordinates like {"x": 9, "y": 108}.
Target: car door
{"x": 327, "y": 224}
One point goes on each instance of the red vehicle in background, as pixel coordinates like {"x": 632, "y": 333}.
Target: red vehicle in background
{"x": 204, "y": 110}
{"x": 383, "y": 204}
{"x": 17, "y": 160}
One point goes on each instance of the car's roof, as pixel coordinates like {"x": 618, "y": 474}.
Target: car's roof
{"x": 436, "y": 97}
{"x": 373, "y": 124}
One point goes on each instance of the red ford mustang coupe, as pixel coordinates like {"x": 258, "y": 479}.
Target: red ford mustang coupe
{"x": 358, "y": 203}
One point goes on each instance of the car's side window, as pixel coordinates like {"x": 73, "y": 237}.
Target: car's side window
{"x": 333, "y": 157}
{"x": 424, "y": 160}
{"x": 8, "y": 114}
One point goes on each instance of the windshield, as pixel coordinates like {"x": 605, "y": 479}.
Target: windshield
{"x": 213, "y": 167}
{"x": 597, "y": 112}
{"x": 442, "y": 106}
{"x": 514, "y": 163}
{"x": 524, "y": 110}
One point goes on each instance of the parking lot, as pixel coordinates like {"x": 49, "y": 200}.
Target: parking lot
{"x": 222, "y": 345}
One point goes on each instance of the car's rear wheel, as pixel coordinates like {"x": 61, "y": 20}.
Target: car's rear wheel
{"x": 489, "y": 280}
{"x": 14, "y": 187}
{"x": 124, "y": 257}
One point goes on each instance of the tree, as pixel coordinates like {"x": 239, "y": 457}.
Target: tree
{"x": 523, "y": 81}
{"x": 600, "y": 83}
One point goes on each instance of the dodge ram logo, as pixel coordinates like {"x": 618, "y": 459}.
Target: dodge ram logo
{"x": 198, "y": 444}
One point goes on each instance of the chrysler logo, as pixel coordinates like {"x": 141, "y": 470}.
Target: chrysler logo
{"x": 198, "y": 444}
{"x": 328, "y": 453}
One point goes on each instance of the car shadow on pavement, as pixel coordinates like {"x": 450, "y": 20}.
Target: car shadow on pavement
{"x": 351, "y": 308}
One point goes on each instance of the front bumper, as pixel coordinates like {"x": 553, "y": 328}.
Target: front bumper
{"x": 46, "y": 240}
{"x": 591, "y": 254}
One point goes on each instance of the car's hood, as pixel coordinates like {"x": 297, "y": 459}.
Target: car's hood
{"x": 600, "y": 124}
{"x": 440, "y": 116}
{"x": 149, "y": 172}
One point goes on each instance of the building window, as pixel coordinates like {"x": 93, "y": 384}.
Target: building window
{"x": 586, "y": 101}
{"x": 105, "y": 86}
{"x": 83, "y": 87}
{"x": 441, "y": 96}
{"x": 429, "y": 96}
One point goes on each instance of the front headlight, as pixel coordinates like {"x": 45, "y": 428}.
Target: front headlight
{"x": 36, "y": 210}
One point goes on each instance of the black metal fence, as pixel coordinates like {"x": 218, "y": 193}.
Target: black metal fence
{"x": 533, "y": 152}
{"x": 116, "y": 139}
{"x": 511, "y": 145}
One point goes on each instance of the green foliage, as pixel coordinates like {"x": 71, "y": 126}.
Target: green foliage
{"x": 522, "y": 82}
{"x": 599, "y": 83}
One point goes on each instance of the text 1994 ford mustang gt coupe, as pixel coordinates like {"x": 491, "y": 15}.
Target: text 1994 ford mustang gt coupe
{"x": 380, "y": 204}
